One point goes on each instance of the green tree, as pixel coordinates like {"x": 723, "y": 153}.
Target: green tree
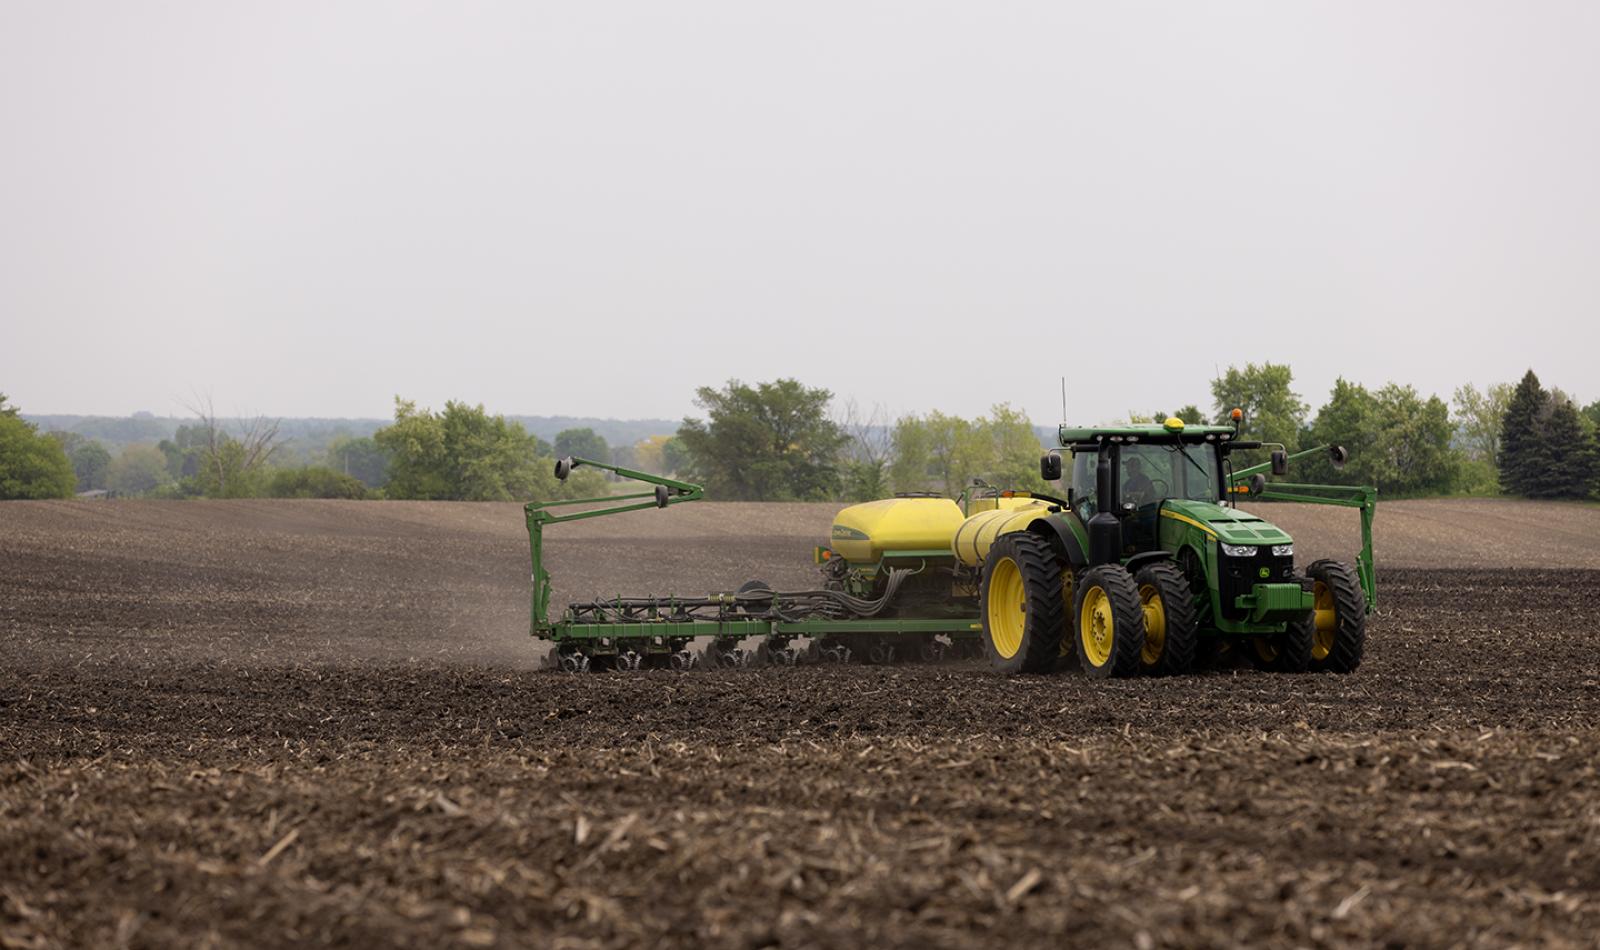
{"x": 944, "y": 453}
{"x": 139, "y": 470}
{"x": 1398, "y": 441}
{"x": 675, "y": 456}
{"x": 1479, "y": 416}
{"x": 582, "y": 443}
{"x": 1273, "y": 412}
{"x": 88, "y": 464}
{"x": 1570, "y": 447}
{"x": 626, "y": 456}
{"x": 934, "y": 452}
{"x": 226, "y": 471}
{"x": 461, "y": 454}
{"x": 1416, "y": 436}
{"x": 1591, "y": 412}
{"x": 465, "y": 454}
{"x": 362, "y": 459}
{"x": 31, "y": 465}
{"x": 1191, "y": 414}
{"x": 1349, "y": 418}
{"x": 1524, "y": 451}
{"x": 182, "y": 451}
{"x": 768, "y": 442}
{"x": 315, "y": 481}
{"x": 231, "y": 465}
{"x": 91, "y": 463}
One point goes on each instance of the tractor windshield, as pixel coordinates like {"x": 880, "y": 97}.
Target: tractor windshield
{"x": 1153, "y": 471}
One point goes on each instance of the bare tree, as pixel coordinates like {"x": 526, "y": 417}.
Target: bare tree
{"x": 867, "y": 452}
{"x": 233, "y": 456}
{"x": 871, "y": 438}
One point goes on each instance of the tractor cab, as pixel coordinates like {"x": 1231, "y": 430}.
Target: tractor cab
{"x": 1146, "y": 466}
{"x": 1147, "y": 473}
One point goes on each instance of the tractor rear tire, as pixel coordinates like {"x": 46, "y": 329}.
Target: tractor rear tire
{"x": 1024, "y": 616}
{"x": 1108, "y": 622}
{"x": 1171, "y": 633}
{"x": 1338, "y": 624}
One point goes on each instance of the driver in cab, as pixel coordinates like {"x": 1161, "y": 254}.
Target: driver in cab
{"x": 1138, "y": 488}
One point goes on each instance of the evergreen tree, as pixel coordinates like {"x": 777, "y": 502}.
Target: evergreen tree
{"x": 1570, "y": 447}
{"x": 1523, "y": 446}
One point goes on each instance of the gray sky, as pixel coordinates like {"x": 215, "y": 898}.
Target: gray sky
{"x": 593, "y": 208}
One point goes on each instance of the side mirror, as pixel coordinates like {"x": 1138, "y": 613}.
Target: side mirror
{"x": 1338, "y": 456}
{"x": 661, "y": 496}
{"x": 563, "y": 468}
{"x": 1280, "y": 462}
{"x": 1050, "y": 467}
{"x": 1258, "y": 483}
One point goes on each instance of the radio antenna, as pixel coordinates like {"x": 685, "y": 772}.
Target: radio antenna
{"x": 1063, "y": 400}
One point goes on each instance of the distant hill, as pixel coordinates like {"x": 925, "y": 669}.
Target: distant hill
{"x": 614, "y": 431}
{"x": 310, "y": 434}
{"x": 305, "y": 434}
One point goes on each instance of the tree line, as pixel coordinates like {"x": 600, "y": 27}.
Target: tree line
{"x": 783, "y": 441}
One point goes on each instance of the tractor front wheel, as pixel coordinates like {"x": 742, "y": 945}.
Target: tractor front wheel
{"x": 1109, "y": 622}
{"x": 1024, "y": 617}
{"x": 1339, "y": 620}
{"x": 1286, "y": 652}
{"x": 1171, "y": 634}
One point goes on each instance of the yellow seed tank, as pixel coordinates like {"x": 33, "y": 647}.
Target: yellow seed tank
{"x": 864, "y": 533}
{"x": 977, "y": 534}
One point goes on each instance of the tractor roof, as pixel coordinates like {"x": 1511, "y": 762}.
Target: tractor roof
{"x": 1171, "y": 431}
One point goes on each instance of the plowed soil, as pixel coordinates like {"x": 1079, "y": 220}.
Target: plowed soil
{"x": 275, "y": 723}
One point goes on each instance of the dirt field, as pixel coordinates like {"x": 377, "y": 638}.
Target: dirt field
{"x": 276, "y": 723}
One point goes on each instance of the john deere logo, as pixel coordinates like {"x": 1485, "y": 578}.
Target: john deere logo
{"x": 842, "y": 533}
{"x": 1266, "y": 572}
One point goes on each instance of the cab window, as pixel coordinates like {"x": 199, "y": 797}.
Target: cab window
{"x": 1084, "y": 485}
{"x": 1152, "y": 472}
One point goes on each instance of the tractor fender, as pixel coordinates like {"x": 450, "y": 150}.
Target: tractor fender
{"x": 1061, "y": 538}
{"x": 1148, "y": 557}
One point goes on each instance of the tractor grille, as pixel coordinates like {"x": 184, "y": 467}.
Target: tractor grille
{"x": 1240, "y": 574}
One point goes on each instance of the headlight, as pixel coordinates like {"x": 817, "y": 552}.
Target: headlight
{"x": 1283, "y": 550}
{"x": 1239, "y": 550}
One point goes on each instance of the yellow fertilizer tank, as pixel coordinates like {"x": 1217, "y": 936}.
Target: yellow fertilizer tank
{"x": 977, "y": 534}
{"x": 864, "y": 533}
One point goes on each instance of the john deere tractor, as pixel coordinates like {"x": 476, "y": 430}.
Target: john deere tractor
{"x": 1148, "y": 563}
{"x": 1145, "y": 566}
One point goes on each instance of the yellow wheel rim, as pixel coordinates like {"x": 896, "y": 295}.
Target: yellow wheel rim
{"x": 1155, "y": 624}
{"x": 1327, "y": 622}
{"x": 1008, "y": 608}
{"x": 1266, "y": 649}
{"x": 1097, "y": 626}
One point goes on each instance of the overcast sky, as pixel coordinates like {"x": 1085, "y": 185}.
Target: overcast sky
{"x": 593, "y": 208}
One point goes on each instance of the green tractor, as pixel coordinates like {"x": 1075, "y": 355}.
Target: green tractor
{"x": 1148, "y": 564}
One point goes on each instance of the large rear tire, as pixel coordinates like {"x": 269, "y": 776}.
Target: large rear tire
{"x": 1339, "y": 621}
{"x": 1108, "y": 622}
{"x": 1171, "y": 634}
{"x": 1024, "y": 617}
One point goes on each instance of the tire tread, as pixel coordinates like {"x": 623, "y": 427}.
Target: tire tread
{"x": 1350, "y": 637}
{"x": 1183, "y": 631}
